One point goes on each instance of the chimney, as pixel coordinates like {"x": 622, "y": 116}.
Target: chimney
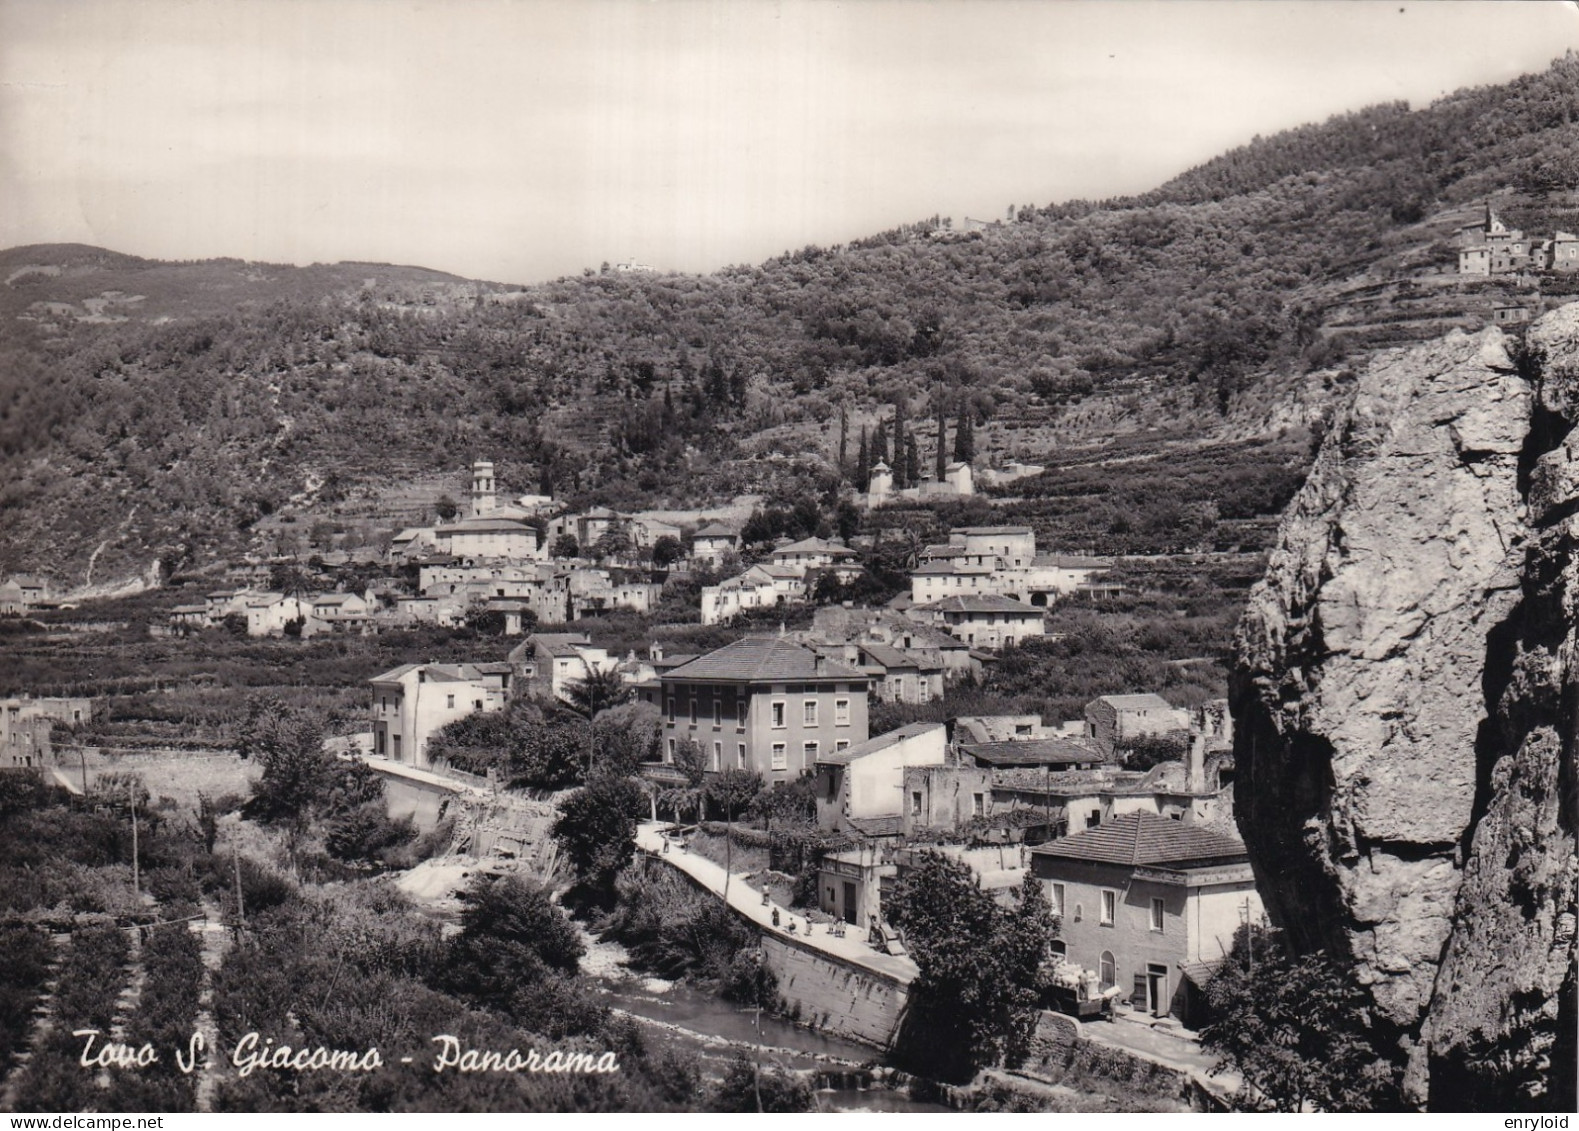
{"x": 656, "y": 651}
{"x": 817, "y": 662}
{"x": 1195, "y": 765}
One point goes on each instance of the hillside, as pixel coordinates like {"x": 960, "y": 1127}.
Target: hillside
{"x": 176, "y": 412}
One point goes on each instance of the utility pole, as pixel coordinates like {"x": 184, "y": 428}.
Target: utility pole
{"x": 241, "y": 911}
{"x": 131, "y": 793}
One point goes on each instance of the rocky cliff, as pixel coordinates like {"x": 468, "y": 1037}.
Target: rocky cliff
{"x": 1405, "y": 699}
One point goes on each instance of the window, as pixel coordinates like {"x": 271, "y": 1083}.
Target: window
{"x": 841, "y": 712}
{"x": 671, "y": 708}
{"x": 778, "y": 714}
{"x": 1156, "y": 914}
{"x": 740, "y": 713}
{"x": 691, "y": 698}
{"x": 978, "y": 805}
{"x": 810, "y": 750}
{"x": 718, "y": 756}
{"x": 449, "y": 701}
{"x": 1094, "y": 819}
{"x": 1109, "y": 907}
{"x": 780, "y": 759}
{"x": 915, "y": 803}
{"x": 809, "y": 712}
{"x": 1108, "y": 971}
{"x": 740, "y": 756}
{"x": 1055, "y": 897}
{"x": 842, "y": 744}
{"x": 672, "y": 745}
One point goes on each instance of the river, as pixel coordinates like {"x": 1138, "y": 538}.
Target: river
{"x": 714, "y": 1031}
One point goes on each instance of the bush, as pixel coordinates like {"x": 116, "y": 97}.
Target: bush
{"x": 772, "y": 1089}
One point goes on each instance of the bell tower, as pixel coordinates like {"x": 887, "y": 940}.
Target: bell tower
{"x": 482, "y": 488}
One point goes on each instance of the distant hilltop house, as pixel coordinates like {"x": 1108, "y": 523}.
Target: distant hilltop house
{"x": 630, "y": 266}
{"x": 958, "y": 481}
{"x": 22, "y": 593}
{"x": 1493, "y": 248}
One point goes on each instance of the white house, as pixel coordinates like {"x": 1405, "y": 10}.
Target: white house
{"x": 413, "y": 702}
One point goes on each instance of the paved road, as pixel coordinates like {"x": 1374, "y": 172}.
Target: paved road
{"x": 747, "y": 900}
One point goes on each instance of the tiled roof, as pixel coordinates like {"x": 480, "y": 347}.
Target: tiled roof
{"x": 813, "y": 546}
{"x": 991, "y": 603}
{"x": 873, "y": 745}
{"x": 1144, "y": 838}
{"x": 554, "y": 643}
{"x": 1071, "y": 561}
{"x": 758, "y": 658}
{"x": 988, "y": 531}
{"x": 891, "y": 658}
{"x": 1030, "y": 752}
{"x": 483, "y": 526}
{"x": 715, "y": 530}
{"x": 394, "y": 675}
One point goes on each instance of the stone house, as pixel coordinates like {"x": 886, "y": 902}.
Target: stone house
{"x": 545, "y": 664}
{"x": 26, "y": 725}
{"x": 763, "y": 704}
{"x": 712, "y": 542}
{"x": 948, "y": 797}
{"x": 413, "y": 702}
{"x": 1141, "y": 897}
{"x": 1112, "y": 720}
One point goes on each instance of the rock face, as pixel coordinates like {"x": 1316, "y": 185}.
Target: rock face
{"x": 1406, "y": 697}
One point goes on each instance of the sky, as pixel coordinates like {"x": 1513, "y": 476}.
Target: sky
{"x": 518, "y": 140}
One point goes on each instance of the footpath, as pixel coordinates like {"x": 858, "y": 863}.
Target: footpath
{"x": 747, "y": 901}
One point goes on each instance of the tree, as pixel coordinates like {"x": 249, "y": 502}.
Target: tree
{"x": 863, "y": 464}
{"x": 964, "y": 440}
{"x": 566, "y": 546}
{"x": 598, "y": 690}
{"x": 912, "y": 461}
{"x": 975, "y": 997}
{"x": 940, "y": 467}
{"x": 446, "y": 508}
{"x": 666, "y": 551}
{"x": 511, "y": 934}
{"x": 733, "y": 790}
{"x": 614, "y": 541}
{"x": 1295, "y": 1028}
{"x": 691, "y": 760}
{"x": 774, "y": 1089}
{"x": 596, "y": 828}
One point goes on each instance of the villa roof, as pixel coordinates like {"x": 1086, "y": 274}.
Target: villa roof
{"x": 814, "y": 546}
{"x": 1143, "y": 702}
{"x": 758, "y": 658}
{"x": 983, "y": 603}
{"x": 1137, "y": 839}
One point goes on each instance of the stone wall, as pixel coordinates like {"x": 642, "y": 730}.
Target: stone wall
{"x": 834, "y": 996}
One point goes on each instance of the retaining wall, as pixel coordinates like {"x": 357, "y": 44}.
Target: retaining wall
{"x": 832, "y": 995}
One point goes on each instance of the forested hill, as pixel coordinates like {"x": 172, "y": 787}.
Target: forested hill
{"x": 161, "y": 410}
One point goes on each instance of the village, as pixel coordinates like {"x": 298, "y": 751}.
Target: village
{"x": 1124, "y": 815}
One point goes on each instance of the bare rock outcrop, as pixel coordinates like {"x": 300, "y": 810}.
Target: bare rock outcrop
{"x": 1405, "y": 712}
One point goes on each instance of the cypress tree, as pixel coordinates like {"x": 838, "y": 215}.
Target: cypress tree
{"x": 942, "y": 452}
{"x": 901, "y": 462}
{"x": 863, "y": 465}
{"x": 912, "y": 461}
{"x": 844, "y": 443}
{"x": 964, "y": 442}
{"x": 880, "y": 445}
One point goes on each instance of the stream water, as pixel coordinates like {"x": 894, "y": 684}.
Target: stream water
{"x": 714, "y": 1031}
